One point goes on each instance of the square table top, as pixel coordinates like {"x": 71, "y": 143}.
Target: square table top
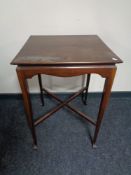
{"x": 65, "y": 50}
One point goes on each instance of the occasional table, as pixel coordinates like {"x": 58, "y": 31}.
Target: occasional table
{"x": 65, "y": 56}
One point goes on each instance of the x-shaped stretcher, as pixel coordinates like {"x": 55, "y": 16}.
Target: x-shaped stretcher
{"x": 83, "y": 91}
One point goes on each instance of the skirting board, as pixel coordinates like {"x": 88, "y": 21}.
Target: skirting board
{"x": 116, "y": 94}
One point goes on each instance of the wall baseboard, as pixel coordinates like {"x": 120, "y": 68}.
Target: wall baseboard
{"x": 115, "y": 94}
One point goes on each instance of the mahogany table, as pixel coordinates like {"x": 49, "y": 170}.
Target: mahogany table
{"x": 65, "y": 56}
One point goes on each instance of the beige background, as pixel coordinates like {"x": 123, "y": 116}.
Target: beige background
{"x": 19, "y": 19}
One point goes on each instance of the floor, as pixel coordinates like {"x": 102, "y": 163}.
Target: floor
{"x": 64, "y": 145}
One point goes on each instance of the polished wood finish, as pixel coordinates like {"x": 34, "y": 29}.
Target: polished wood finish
{"x": 51, "y": 50}
{"x": 65, "y": 56}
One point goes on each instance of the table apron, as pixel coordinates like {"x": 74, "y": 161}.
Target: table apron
{"x": 64, "y": 71}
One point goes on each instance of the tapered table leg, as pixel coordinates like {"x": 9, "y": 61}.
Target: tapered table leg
{"x": 27, "y": 104}
{"x": 85, "y": 93}
{"x": 104, "y": 101}
{"x": 41, "y": 91}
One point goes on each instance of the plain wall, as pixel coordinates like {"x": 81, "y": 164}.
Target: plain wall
{"x": 111, "y": 20}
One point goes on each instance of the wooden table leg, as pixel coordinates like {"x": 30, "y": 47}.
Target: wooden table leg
{"x": 85, "y": 92}
{"x": 41, "y": 91}
{"x": 27, "y": 104}
{"x": 104, "y": 101}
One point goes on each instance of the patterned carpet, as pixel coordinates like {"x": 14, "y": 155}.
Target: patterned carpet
{"x": 64, "y": 146}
